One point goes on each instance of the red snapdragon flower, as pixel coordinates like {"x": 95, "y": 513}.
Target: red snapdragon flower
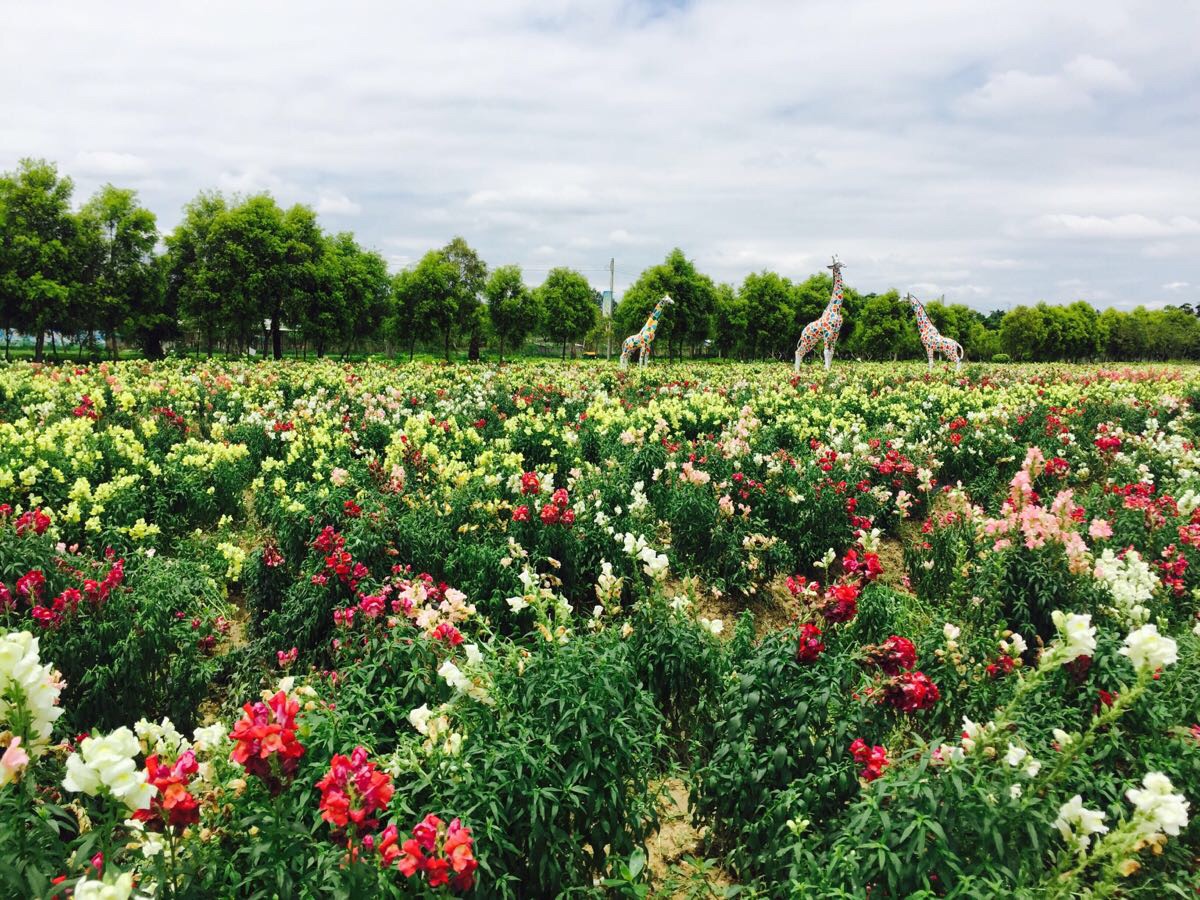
{"x": 809, "y": 646}
{"x": 32, "y": 520}
{"x": 893, "y": 656}
{"x": 521, "y": 514}
{"x": 841, "y": 603}
{"x": 874, "y": 759}
{"x": 530, "y": 484}
{"x": 452, "y": 863}
{"x": 174, "y": 805}
{"x": 910, "y": 691}
{"x": 868, "y": 567}
{"x": 285, "y": 658}
{"x": 353, "y": 790}
{"x": 448, "y": 633}
{"x": 1003, "y": 665}
{"x": 550, "y": 514}
{"x": 266, "y": 743}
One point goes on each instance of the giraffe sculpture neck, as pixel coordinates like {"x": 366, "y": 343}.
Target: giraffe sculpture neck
{"x": 655, "y": 314}
{"x": 919, "y": 309}
{"x": 835, "y": 301}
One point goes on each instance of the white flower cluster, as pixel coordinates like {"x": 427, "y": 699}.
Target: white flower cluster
{"x": 654, "y": 564}
{"x": 1159, "y": 809}
{"x": 1131, "y": 582}
{"x": 1076, "y": 638}
{"x": 1148, "y": 650}
{"x": 29, "y": 686}
{"x": 160, "y": 738}
{"x": 436, "y": 729}
{"x": 1076, "y": 823}
{"x": 118, "y": 888}
{"x": 1020, "y": 758}
{"x": 106, "y": 762}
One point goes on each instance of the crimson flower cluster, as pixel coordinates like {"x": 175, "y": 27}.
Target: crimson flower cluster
{"x": 556, "y": 512}
{"x": 266, "y": 744}
{"x": 174, "y": 805}
{"x": 893, "y": 656}
{"x": 873, "y": 759}
{"x": 338, "y": 561}
{"x": 443, "y": 854}
{"x": 911, "y": 691}
{"x": 809, "y": 645}
{"x": 1003, "y": 665}
{"x": 352, "y": 791}
{"x": 31, "y": 520}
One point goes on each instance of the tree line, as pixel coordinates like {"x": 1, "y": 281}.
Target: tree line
{"x": 237, "y": 273}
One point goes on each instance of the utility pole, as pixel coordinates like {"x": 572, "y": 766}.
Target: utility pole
{"x": 612, "y": 302}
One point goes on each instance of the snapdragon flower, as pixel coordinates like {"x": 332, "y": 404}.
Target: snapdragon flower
{"x": 29, "y": 688}
{"x": 108, "y": 888}
{"x": 105, "y": 763}
{"x": 1148, "y": 650}
{"x": 1076, "y": 638}
{"x": 1159, "y": 808}
{"x": 1077, "y": 824}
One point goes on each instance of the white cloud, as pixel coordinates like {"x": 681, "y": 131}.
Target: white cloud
{"x": 110, "y": 163}
{"x": 1077, "y": 85}
{"x": 1127, "y": 225}
{"x": 335, "y": 203}
{"x": 1175, "y": 285}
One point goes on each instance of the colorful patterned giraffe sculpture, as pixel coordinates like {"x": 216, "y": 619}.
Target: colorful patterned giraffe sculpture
{"x": 932, "y": 339}
{"x": 643, "y": 339}
{"x": 828, "y": 326}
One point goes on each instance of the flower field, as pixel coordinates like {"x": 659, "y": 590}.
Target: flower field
{"x": 369, "y": 630}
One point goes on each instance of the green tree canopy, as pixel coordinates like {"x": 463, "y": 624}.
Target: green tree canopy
{"x": 515, "y": 311}
{"x": 37, "y": 232}
{"x": 569, "y": 305}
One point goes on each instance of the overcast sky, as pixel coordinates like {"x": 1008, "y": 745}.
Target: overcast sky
{"x": 1050, "y": 150}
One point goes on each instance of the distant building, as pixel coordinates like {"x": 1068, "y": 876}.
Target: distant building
{"x": 606, "y": 302}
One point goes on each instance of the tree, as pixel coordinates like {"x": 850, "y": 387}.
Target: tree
{"x": 364, "y": 288}
{"x": 424, "y": 300}
{"x": 470, "y": 276}
{"x": 770, "y": 314}
{"x": 1080, "y": 331}
{"x": 300, "y": 280}
{"x": 192, "y": 282}
{"x": 884, "y": 328}
{"x": 125, "y": 279}
{"x": 570, "y": 306}
{"x": 687, "y": 320}
{"x": 35, "y": 250}
{"x": 1023, "y": 332}
{"x": 514, "y": 310}
{"x": 729, "y": 319}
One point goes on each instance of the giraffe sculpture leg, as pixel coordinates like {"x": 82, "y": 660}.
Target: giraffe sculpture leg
{"x": 828, "y": 356}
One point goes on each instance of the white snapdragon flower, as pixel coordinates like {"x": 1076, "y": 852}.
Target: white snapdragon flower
{"x": 1076, "y": 638}
{"x": 453, "y": 676}
{"x": 653, "y": 564}
{"x": 1148, "y": 650}
{"x": 160, "y": 737}
{"x": 1159, "y": 808}
{"x": 106, "y": 763}
{"x": 1077, "y": 824}
{"x": 1015, "y": 755}
{"x": 110, "y": 888}
{"x": 419, "y": 718}
{"x": 209, "y": 737}
{"x": 516, "y": 604}
{"x": 22, "y": 673}
{"x": 474, "y": 654}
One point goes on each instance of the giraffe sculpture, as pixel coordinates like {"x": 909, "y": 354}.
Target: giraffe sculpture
{"x": 828, "y": 326}
{"x": 932, "y": 339}
{"x": 643, "y": 339}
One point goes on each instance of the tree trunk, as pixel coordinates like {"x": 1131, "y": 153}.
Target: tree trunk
{"x": 473, "y": 349}
{"x": 276, "y": 339}
{"x": 7, "y": 344}
{"x": 447, "y": 345}
{"x": 54, "y": 345}
{"x": 210, "y": 343}
{"x": 501, "y": 348}
{"x": 564, "y": 350}
{"x": 412, "y": 345}
{"x": 39, "y": 346}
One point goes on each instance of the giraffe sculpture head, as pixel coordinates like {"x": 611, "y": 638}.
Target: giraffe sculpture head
{"x": 837, "y": 265}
